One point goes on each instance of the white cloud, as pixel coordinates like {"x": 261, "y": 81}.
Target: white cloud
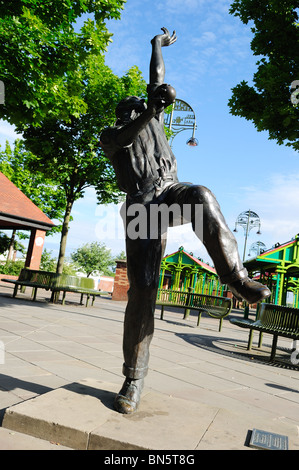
{"x": 205, "y": 39}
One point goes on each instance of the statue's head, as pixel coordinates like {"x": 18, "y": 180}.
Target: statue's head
{"x": 129, "y": 109}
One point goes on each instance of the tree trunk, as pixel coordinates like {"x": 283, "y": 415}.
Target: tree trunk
{"x": 11, "y": 248}
{"x": 64, "y": 234}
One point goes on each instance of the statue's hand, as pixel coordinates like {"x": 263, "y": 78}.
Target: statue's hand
{"x": 165, "y": 38}
{"x": 162, "y": 98}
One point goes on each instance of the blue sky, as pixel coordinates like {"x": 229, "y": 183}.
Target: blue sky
{"x": 242, "y": 167}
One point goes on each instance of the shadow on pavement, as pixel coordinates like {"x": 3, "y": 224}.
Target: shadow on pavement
{"x": 8, "y": 383}
{"x": 238, "y": 349}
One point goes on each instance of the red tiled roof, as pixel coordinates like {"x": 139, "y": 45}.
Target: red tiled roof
{"x": 196, "y": 260}
{"x": 201, "y": 263}
{"x": 14, "y": 203}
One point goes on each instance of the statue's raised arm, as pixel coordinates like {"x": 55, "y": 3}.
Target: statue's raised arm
{"x": 132, "y": 113}
{"x": 157, "y": 68}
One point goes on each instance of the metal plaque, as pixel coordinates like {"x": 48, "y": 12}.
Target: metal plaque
{"x": 268, "y": 440}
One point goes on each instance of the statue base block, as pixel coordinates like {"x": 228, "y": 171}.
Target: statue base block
{"x": 81, "y": 416}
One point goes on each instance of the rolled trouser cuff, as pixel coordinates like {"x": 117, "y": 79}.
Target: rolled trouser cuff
{"x": 234, "y": 276}
{"x": 134, "y": 372}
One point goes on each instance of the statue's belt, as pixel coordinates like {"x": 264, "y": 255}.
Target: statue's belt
{"x": 145, "y": 186}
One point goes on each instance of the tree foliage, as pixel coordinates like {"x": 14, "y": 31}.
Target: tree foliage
{"x": 69, "y": 151}
{"x": 94, "y": 258}
{"x": 13, "y": 268}
{"x": 276, "y": 42}
{"x": 41, "y": 54}
{"x": 5, "y": 243}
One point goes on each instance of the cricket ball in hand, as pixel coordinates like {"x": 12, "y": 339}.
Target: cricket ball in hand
{"x": 169, "y": 94}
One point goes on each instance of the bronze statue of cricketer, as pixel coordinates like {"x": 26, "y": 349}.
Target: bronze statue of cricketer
{"x": 146, "y": 170}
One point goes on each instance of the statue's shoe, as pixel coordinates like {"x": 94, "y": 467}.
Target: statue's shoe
{"x": 249, "y": 290}
{"x": 128, "y": 398}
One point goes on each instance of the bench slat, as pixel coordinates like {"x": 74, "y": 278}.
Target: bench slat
{"x": 215, "y": 306}
{"x": 82, "y": 285}
{"x": 32, "y": 278}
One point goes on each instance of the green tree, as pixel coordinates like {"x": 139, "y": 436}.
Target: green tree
{"x": 121, "y": 256}
{"x": 4, "y": 242}
{"x": 42, "y": 48}
{"x": 10, "y": 244}
{"x": 12, "y": 268}
{"x": 48, "y": 262}
{"x": 93, "y": 258}
{"x": 276, "y": 42}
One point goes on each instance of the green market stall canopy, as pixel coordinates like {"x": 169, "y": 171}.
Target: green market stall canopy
{"x": 279, "y": 268}
{"x": 182, "y": 271}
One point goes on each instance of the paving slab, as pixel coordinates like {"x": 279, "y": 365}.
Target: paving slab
{"x": 12, "y": 440}
{"x": 81, "y": 416}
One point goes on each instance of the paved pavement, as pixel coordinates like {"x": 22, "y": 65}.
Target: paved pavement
{"x": 204, "y": 390}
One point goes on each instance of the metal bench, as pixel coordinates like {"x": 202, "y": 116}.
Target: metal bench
{"x": 83, "y": 285}
{"x": 56, "y": 283}
{"x": 214, "y": 306}
{"x": 32, "y": 278}
{"x": 276, "y": 320}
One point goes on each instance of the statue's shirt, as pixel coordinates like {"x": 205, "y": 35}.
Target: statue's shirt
{"x": 148, "y": 160}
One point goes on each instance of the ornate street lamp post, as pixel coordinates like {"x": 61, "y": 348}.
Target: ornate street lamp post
{"x": 248, "y": 220}
{"x": 257, "y": 247}
{"x": 181, "y": 117}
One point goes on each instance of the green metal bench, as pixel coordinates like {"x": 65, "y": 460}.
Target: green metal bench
{"x": 32, "y": 278}
{"x": 83, "y": 285}
{"x": 276, "y": 320}
{"x": 214, "y": 306}
{"x": 56, "y": 283}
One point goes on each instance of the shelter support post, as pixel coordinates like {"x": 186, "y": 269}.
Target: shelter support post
{"x": 35, "y": 249}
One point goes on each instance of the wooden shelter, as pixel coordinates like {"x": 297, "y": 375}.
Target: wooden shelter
{"x": 17, "y": 212}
